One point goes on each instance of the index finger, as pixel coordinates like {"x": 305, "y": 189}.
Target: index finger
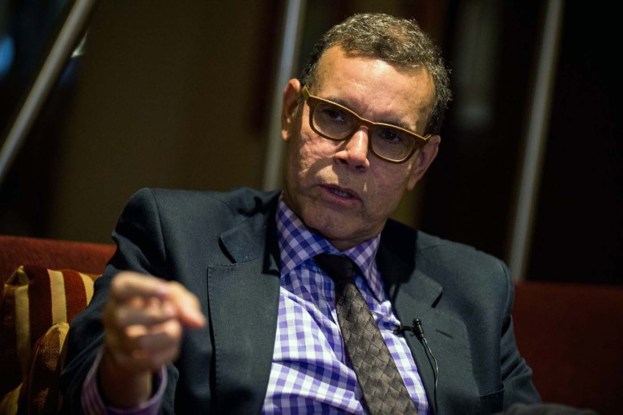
{"x": 187, "y": 305}
{"x": 127, "y": 285}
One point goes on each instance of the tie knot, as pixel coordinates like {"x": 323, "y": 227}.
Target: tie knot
{"x": 338, "y": 267}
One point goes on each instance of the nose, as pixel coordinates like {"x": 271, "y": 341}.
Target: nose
{"x": 354, "y": 151}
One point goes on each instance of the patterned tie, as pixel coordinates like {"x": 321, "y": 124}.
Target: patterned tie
{"x": 384, "y": 391}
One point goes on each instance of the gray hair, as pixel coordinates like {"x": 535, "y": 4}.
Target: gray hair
{"x": 394, "y": 40}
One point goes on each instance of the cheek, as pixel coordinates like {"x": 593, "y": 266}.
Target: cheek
{"x": 389, "y": 184}
{"x": 314, "y": 153}
{"x": 392, "y": 176}
{"x": 405, "y": 174}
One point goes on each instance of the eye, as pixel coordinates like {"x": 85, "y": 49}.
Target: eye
{"x": 332, "y": 114}
{"x": 390, "y": 136}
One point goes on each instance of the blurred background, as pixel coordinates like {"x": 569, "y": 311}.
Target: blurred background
{"x": 179, "y": 95}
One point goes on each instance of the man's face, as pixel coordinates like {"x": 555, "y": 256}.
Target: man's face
{"x": 341, "y": 189}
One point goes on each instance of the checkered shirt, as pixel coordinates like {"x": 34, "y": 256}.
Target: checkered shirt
{"x": 310, "y": 372}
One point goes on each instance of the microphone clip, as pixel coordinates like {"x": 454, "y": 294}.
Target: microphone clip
{"x": 415, "y": 328}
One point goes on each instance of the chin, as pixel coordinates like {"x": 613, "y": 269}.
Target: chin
{"x": 320, "y": 220}
{"x": 334, "y": 226}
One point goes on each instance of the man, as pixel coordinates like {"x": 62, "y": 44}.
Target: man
{"x": 218, "y": 303}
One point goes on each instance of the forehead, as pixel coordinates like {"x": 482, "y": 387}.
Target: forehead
{"x": 374, "y": 88}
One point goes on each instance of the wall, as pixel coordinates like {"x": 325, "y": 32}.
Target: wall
{"x": 163, "y": 98}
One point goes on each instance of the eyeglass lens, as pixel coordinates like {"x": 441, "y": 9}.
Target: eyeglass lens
{"x": 337, "y": 123}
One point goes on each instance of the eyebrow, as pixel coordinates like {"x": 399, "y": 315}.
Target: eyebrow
{"x": 394, "y": 122}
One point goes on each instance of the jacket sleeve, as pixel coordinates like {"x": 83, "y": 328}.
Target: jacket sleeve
{"x": 516, "y": 375}
{"x": 140, "y": 248}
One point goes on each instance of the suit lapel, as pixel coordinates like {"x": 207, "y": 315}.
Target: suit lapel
{"x": 417, "y": 296}
{"x": 243, "y": 305}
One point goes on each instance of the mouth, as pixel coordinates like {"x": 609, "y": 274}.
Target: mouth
{"x": 342, "y": 193}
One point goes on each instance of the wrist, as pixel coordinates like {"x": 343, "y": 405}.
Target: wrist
{"x": 119, "y": 385}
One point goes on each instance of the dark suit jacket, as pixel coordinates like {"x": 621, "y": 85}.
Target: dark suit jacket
{"x": 223, "y": 247}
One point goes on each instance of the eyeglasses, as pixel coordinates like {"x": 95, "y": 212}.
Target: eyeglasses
{"x": 338, "y": 123}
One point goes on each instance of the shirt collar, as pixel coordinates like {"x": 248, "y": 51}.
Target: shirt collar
{"x": 298, "y": 244}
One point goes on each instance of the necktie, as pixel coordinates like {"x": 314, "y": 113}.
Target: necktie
{"x": 383, "y": 390}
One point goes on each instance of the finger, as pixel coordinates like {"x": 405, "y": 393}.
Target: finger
{"x": 138, "y": 311}
{"x": 139, "y": 361}
{"x": 146, "y": 343}
{"x": 127, "y": 285}
{"x": 125, "y": 340}
{"x": 144, "y": 312}
{"x": 187, "y": 306}
{"x": 165, "y": 337}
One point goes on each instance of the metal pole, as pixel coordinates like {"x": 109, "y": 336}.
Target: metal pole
{"x": 532, "y": 163}
{"x": 290, "y": 43}
{"x": 63, "y": 47}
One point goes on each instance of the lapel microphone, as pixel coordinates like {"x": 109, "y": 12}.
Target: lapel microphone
{"x": 417, "y": 330}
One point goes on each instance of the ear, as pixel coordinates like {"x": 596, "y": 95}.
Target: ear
{"x": 291, "y": 95}
{"x": 423, "y": 159}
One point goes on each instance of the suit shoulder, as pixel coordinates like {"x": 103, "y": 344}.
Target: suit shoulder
{"x": 240, "y": 201}
{"x": 438, "y": 249}
{"x": 440, "y": 256}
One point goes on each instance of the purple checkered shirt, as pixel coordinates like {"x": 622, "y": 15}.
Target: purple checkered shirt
{"x": 310, "y": 372}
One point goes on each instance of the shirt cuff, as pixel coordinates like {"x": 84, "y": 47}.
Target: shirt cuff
{"x": 92, "y": 402}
